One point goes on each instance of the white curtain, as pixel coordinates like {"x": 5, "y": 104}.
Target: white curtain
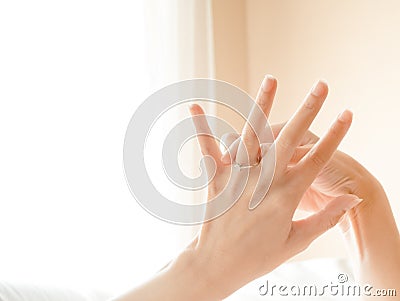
{"x": 72, "y": 74}
{"x": 179, "y": 46}
{"x": 179, "y": 40}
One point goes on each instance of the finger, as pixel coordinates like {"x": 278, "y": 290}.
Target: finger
{"x": 276, "y": 128}
{"x": 305, "y": 145}
{"x": 295, "y": 129}
{"x": 207, "y": 142}
{"x": 308, "y": 138}
{"x": 300, "y": 152}
{"x": 230, "y": 155}
{"x": 306, "y": 230}
{"x": 266, "y": 174}
{"x": 319, "y": 155}
{"x": 227, "y": 140}
{"x": 254, "y": 129}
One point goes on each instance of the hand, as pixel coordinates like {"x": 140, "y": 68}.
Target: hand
{"x": 341, "y": 175}
{"x": 369, "y": 227}
{"x": 244, "y": 244}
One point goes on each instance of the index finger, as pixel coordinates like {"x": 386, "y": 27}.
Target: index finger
{"x": 207, "y": 142}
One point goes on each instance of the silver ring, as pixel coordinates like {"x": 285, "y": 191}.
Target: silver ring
{"x": 243, "y": 166}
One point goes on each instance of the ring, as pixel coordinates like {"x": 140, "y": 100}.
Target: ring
{"x": 243, "y": 166}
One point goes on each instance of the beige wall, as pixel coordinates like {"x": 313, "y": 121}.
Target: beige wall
{"x": 230, "y": 41}
{"x": 354, "y": 45}
{"x": 230, "y": 49}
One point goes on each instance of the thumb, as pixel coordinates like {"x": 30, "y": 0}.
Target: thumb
{"x": 305, "y": 231}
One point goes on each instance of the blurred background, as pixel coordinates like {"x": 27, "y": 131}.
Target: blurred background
{"x": 351, "y": 44}
{"x": 73, "y": 72}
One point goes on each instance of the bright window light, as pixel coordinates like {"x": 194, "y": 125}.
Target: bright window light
{"x": 72, "y": 74}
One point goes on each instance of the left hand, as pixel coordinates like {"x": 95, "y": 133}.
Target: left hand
{"x": 243, "y": 244}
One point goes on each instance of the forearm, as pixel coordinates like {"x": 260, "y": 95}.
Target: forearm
{"x": 374, "y": 239}
{"x": 181, "y": 280}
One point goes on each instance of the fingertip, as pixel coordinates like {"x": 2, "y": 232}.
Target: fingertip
{"x": 226, "y": 158}
{"x": 344, "y": 203}
{"x": 346, "y": 116}
{"x": 320, "y": 88}
{"x": 196, "y": 109}
{"x": 268, "y": 83}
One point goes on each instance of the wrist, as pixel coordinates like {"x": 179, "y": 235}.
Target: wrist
{"x": 192, "y": 274}
{"x": 365, "y": 185}
{"x": 370, "y": 190}
{"x": 373, "y": 237}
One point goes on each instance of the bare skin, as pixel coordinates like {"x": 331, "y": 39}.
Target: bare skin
{"x": 368, "y": 228}
{"x": 244, "y": 244}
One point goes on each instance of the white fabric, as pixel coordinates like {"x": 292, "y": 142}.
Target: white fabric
{"x": 29, "y": 292}
{"x": 322, "y": 271}
{"x": 317, "y": 271}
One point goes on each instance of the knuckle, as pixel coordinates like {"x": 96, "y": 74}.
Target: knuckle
{"x": 313, "y": 103}
{"x": 285, "y": 143}
{"x": 296, "y": 155}
{"x": 309, "y": 105}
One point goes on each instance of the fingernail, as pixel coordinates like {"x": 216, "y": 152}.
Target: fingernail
{"x": 319, "y": 88}
{"x": 345, "y": 116}
{"x": 225, "y": 158}
{"x": 353, "y": 203}
{"x": 268, "y": 83}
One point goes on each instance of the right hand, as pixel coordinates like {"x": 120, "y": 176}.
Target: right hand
{"x": 265, "y": 235}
